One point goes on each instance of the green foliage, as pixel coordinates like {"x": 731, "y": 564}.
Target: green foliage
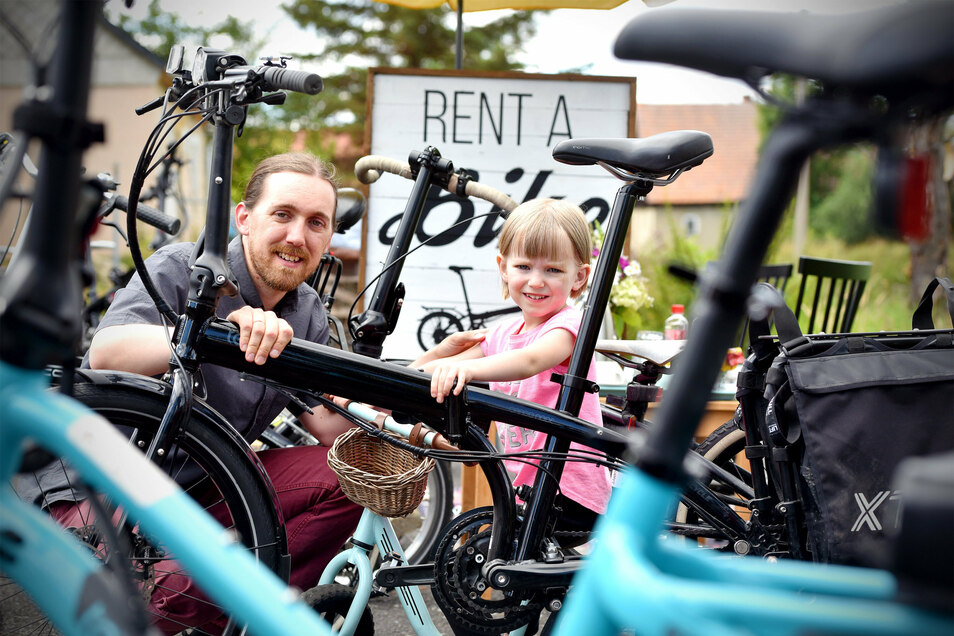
{"x": 260, "y": 142}
{"x": 840, "y": 191}
{"x": 885, "y": 304}
{"x": 379, "y": 34}
{"x": 357, "y": 33}
{"x": 629, "y": 294}
{"x": 845, "y": 211}
{"x": 665, "y": 288}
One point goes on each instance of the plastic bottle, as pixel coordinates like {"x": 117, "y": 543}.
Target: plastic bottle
{"x": 677, "y": 325}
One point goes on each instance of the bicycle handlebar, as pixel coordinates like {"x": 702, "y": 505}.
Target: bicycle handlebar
{"x": 286, "y": 79}
{"x": 417, "y": 435}
{"x": 368, "y": 169}
{"x": 148, "y": 214}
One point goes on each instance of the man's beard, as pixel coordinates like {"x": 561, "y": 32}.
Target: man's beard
{"x": 277, "y": 277}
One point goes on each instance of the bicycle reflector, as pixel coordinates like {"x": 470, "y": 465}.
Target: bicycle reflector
{"x": 902, "y": 205}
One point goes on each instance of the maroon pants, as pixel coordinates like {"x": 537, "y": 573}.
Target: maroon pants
{"x": 318, "y": 520}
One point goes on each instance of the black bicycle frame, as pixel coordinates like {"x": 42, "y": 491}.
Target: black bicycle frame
{"x": 303, "y": 366}
{"x": 40, "y": 289}
{"x": 370, "y": 328}
{"x": 463, "y": 419}
{"x": 725, "y": 289}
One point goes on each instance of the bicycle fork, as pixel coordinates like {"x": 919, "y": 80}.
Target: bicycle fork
{"x": 374, "y": 530}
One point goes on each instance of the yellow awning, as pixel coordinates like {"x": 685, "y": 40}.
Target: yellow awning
{"x": 522, "y": 5}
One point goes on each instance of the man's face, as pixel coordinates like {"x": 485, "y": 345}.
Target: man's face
{"x": 288, "y": 230}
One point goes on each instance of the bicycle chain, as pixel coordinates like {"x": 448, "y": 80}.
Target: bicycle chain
{"x": 459, "y": 587}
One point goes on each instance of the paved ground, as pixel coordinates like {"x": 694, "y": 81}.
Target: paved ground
{"x": 390, "y": 620}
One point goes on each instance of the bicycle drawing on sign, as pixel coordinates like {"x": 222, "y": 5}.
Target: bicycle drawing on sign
{"x": 440, "y": 322}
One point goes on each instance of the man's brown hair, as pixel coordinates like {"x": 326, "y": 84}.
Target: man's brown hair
{"x": 298, "y": 162}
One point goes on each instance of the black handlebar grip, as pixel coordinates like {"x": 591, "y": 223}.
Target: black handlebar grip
{"x": 154, "y": 104}
{"x": 150, "y": 215}
{"x": 289, "y": 80}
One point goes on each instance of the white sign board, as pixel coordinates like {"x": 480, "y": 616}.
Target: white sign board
{"x": 503, "y": 127}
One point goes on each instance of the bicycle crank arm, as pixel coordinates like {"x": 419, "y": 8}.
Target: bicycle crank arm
{"x": 532, "y": 574}
{"x": 389, "y": 576}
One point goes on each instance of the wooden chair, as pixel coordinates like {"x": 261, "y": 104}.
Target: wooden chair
{"x": 777, "y": 276}
{"x": 835, "y": 285}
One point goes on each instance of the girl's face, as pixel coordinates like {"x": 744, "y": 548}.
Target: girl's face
{"x": 541, "y": 286}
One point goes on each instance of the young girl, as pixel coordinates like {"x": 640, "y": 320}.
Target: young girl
{"x": 544, "y": 251}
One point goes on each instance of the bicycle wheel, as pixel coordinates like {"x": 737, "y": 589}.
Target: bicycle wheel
{"x": 435, "y": 327}
{"x": 723, "y": 447}
{"x": 114, "y": 583}
{"x": 332, "y": 602}
{"x": 420, "y": 531}
{"x": 222, "y": 480}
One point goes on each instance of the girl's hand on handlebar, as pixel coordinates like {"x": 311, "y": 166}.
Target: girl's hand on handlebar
{"x": 444, "y": 374}
{"x": 262, "y": 333}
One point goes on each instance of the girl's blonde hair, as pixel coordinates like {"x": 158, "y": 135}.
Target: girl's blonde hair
{"x": 537, "y": 228}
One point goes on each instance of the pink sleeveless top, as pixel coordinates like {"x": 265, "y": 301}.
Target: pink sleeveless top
{"x": 585, "y": 483}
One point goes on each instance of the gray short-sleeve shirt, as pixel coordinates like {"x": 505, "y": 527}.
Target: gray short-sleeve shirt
{"x": 248, "y": 406}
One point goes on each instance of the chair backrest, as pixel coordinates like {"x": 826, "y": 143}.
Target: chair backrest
{"x": 776, "y": 275}
{"x": 832, "y": 286}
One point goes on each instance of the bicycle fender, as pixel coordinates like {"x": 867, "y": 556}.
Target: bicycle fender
{"x": 159, "y": 390}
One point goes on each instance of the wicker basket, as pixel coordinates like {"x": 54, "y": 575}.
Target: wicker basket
{"x": 379, "y": 476}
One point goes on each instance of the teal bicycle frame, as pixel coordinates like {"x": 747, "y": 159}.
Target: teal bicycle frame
{"x": 375, "y": 530}
{"x": 372, "y": 530}
{"x": 59, "y": 573}
{"x": 635, "y": 579}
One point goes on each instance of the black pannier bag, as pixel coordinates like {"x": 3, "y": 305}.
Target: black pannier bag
{"x": 844, "y": 410}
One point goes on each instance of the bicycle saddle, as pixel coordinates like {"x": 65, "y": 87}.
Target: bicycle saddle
{"x": 652, "y": 157}
{"x": 897, "y": 50}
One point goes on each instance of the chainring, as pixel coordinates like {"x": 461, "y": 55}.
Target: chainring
{"x": 462, "y": 593}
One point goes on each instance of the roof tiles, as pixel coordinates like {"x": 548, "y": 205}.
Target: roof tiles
{"x": 725, "y": 176}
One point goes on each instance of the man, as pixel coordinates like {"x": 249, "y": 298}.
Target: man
{"x": 285, "y": 224}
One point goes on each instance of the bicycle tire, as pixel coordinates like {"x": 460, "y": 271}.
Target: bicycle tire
{"x": 236, "y": 484}
{"x": 721, "y": 447}
{"x": 20, "y": 616}
{"x": 438, "y": 503}
{"x": 436, "y": 326}
{"x": 332, "y": 602}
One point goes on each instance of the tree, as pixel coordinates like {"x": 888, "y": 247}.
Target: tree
{"x": 929, "y": 253}
{"x": 364, "y": 34}
{"x": 160, "y": 30}
{"x": 840, "y": 190}
{"x": 842, "y": 196}
{"x": 357, "y": 33}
